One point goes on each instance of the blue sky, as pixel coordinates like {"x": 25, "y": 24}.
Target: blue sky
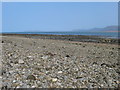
{"x": 57, "y": 16}
{"x": 1, "y": 17}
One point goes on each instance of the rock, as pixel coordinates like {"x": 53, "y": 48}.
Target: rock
{"x": 2, "y": 41}
{"x": 14, "y": 85}
{"x": 111, "y": 52}
{"x": 94, "y": 62}
{"x": 60, "y": 72}
{"x": 67, "y": 56}
{"x": 101, "y": 85}
{"x": 10, "y": 54}
{"x": 97, "y": 57}
{"x": 79, "y": 77}
{"x": 44, "y": 46}
{"x": 31, "y": 77}
{"x": 44, "y": 57}
{"x": 21, "y": 61}
{"x": 15, "y": 62}
{"x": 104, "y": 64}
{"x": 12, "y": 64}
{"x": 117, "y": 71}
{"x": 3, "y": 72}
{"x": 4, "y": 87}
{"x": 15, "y": 45}
{"x": 84, "y": 46}
{"x": 29, "y": 56}
{"x": 54, "y": 79}
{"x": 113, "y": 48}
{"x": 14, "y": 81}
{"x": 50, "y": 54}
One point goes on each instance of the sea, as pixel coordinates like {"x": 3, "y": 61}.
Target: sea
{"x": 101, "y": 34}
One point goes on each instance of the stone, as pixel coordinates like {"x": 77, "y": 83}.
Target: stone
{"x": 12, "y": 64}
{"x": 60, "y": 72}
{"x": 10, "y": 54}
{"x": 2, "y": 41}
{"x": 67, "y": 56}
{"x": 14, "y": 81}
{"x": 15, "y": 45}
{"x": 33, "y": 86}
{"x": 111, "y": 52}
{"x": 21, "y": 61}
{"x": 44, "y": 57}
{"x": 31, "y": 77}
{"x": 29, "y": 56}
{"x": 3, "y": 72}
{"x": 94, "y": 62}
{"x": 54, "y": 79}
{"x": 44, "y": 46}
{"x": 83, "y": 46}
{"x": 104, "y": 64}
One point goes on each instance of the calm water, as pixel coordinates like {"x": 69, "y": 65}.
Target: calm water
{"x": 103, "y": 34}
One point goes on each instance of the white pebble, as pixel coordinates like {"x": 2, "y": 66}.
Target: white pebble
{"x": 54, "y": 79}
{"x": 29, "y": 56}
{"x": 14, "y": 81}
{"x": 59, "y": 72}
{"x": 21, "y": 61}
{"x": 44, "y": 57}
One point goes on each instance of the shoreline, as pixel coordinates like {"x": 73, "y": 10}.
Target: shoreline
{"x": 48, "y": 63}
{"x": 75, "y": 38}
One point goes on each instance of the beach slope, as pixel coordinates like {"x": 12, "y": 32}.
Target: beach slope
{"x": 47, "y": 63}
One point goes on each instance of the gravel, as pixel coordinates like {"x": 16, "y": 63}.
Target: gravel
{"x": 45, "y": 63}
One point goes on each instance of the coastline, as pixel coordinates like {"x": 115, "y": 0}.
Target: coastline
{"x": 76, "y": 38}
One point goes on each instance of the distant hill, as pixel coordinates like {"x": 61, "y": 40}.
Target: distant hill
{"x": 105, "y": 29}
{"x": 108, "y": 28}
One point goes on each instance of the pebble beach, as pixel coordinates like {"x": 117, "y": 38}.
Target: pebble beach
{"x": 49, "y": 63}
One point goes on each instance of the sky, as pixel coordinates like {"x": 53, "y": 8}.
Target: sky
{"x": 1, "y": 17}
{"x": 57, "y": 16}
